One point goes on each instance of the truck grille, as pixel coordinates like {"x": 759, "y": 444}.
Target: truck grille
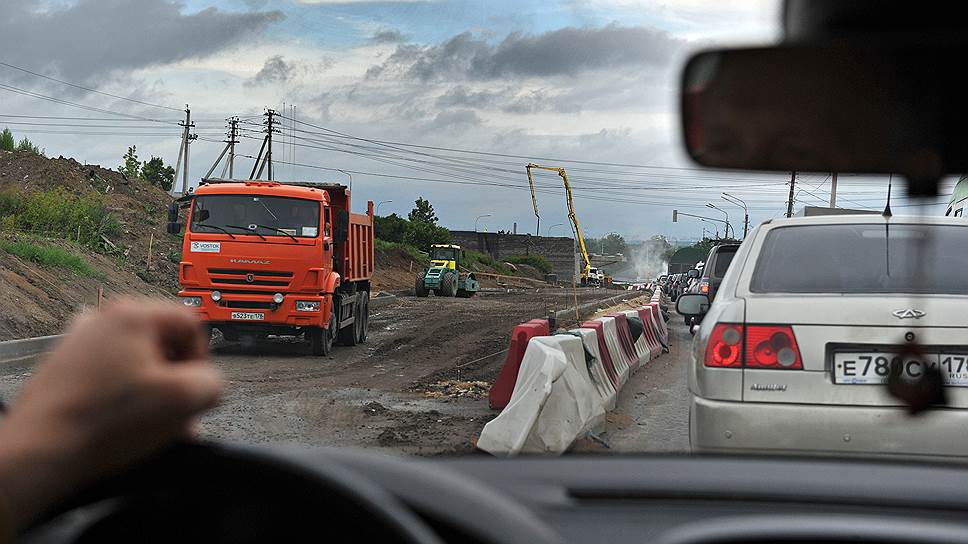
{"x": 249, "y": 305}
{"x": 263, "y": 278}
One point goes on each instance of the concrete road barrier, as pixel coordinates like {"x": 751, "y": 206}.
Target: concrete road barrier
{"x": 12, "y": 350}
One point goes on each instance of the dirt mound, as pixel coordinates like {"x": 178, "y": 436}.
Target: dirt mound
{"x": 38, "y": 300}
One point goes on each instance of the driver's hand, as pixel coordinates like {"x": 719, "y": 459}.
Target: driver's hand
{"x": 123, "y": 383}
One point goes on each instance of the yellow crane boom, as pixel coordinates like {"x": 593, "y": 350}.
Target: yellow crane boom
{"x": 571, "y": 212}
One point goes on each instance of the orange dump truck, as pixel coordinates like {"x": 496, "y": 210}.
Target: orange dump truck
{"x": 264, "y": 257}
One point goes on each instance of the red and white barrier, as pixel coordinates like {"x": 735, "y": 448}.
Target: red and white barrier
{"x": 553, "y": 402}
{"x": 556, "y": 389}
{"x": 619, "y": 358}
{"x": 642, "y": 348}
{"x": 500, "y": 393}
{"x": 596, "y": 368}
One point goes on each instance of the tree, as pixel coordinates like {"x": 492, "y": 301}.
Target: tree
{"x": 131, "y": 167}
{"x": 6, "y": 140}
{"x": 29, "y": 147}
{"x": 423, "y": 212}
{"x": 613, "y": 244}
{"x": 156, "y": 173}
{"x": 391, "y": 228}
{"x": 421, "y": 235}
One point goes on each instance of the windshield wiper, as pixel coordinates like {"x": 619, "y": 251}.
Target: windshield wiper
{"x": 268, "y": 210}
{"x": 279, "y": 230}
{"x": 253, "y": 231}
{"x": 215, "y": 227}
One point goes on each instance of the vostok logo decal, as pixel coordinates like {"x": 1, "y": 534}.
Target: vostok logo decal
{"x": 909, "y": 313}
{"x": 249, "y": 261}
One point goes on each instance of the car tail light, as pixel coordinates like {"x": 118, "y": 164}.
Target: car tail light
{"x": 704, "y": 287}
{"x": 725, "y": 347}
{"x": 772, "y": 346}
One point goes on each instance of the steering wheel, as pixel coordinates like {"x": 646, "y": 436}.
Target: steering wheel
{"x": 215, "y": 493}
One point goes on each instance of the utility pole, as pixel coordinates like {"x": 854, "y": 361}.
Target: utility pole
{"x": 181, "y": 165}
{"x": 230, "y": 148}
{"x": 833, "y": 190}
{"x": 261, "y": 160}
{"x": 793, "y": 181}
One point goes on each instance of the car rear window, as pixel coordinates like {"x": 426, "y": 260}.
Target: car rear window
{"x": 724, "y": 256}
{"x": 863, "y": 258}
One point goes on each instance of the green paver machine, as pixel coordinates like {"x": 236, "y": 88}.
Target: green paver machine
{"x": 443, "y": 276}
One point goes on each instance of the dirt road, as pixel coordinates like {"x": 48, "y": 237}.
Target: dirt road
{"x": 384, "y": 394}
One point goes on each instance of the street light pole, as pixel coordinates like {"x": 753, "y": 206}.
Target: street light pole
{"x": 382, "y": 202}
{"x": 717, "y": 208}
{"x": 553, "y": 226}
{"x": 746, "y": 211}
{"x": 350, "y": 176}
{"x": 478, "y": 219}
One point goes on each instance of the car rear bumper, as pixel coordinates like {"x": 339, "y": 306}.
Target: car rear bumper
{"x": 811, "y": 429}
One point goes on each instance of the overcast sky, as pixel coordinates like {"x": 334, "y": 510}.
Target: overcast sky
{"x": 585, "y": 80}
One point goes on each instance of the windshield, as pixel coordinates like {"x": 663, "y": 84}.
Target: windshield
{"x": 539, "y": 138}
{"x": 443, "y": 254}
{"x": 263, "y": 215}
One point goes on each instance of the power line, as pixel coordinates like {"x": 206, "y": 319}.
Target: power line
{"x": 76, "y": 86}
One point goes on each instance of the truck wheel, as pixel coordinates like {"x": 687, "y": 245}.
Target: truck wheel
{"x": 364, "y": 316}
{"x": 448, "y": 284}
{"x": 320, "y": 339}
{"x": 347, "y": 336}
{"x": 419, "y": 288}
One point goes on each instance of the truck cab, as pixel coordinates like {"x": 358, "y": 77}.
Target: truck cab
{"x": 262, "y": 258}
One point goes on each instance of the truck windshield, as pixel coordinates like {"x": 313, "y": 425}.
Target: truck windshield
{"x": 261, "y": 215}
{"x": 443, "y": 254}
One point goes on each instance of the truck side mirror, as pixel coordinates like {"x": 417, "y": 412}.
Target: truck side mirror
{"x": 342, "y": 233}
{"x": 173, "y": 227}
{"x": 173, "y": 212}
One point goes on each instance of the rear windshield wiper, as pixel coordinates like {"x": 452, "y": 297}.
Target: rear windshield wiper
{"x": 215, "y": 227}
{"x": 279, "y": 230}
{"x": 253, "y": 231}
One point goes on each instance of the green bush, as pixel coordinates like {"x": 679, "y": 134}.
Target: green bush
{"x": 47, "y": 255}
{"x": 7, "y": 142}
{"x": 536, "y": 261}
{"x": 412, "y": 252}
{"x": 475, "y": 259}
{"x": 421, "y": 235}
{"x": 29, "y": 147}
{"x": 83, "y": 219}
{"x": 391, "y": 228}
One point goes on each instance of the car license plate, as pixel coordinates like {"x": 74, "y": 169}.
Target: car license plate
{"x": 863, "y": 368}
{"x": 248, "y": 316}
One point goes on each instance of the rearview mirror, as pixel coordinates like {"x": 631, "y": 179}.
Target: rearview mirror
{"x": 692, "y": 273}
{"x": 342, "y": 233}
{"x": 692, "y": 304}
{"x": 850, "y": 109}
{"x": 173, "y": 212}
{"x": 173, "y": 227}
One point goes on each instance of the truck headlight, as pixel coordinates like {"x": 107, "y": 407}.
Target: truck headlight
{"x": 216, "y": 296}
{"x": 277, "y": 298}
{"x": 307, "y": 306}
{"x": 192, "y": 302}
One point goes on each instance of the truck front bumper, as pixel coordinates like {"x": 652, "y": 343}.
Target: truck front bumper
{"x": 256, "y": 309}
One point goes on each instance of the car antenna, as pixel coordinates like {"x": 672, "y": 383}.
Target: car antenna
{"x": 887, "y": 208}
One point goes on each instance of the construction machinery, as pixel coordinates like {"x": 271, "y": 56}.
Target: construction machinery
{"x": 579, "y": 238}
{"x": 263, "y": 257}
{"x": 444, "y": 276}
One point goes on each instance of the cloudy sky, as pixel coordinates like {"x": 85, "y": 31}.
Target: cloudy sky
{"x": 513, "y": 80}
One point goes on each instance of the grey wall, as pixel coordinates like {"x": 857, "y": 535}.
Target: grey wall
{"x": 559, "y": 250}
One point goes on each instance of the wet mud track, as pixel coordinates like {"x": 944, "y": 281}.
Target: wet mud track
{"x": 373, "y": 395}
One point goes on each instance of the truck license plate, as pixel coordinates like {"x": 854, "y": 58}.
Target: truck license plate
{"x": 874, "y": 367}
{"x": 248, "y": 316}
